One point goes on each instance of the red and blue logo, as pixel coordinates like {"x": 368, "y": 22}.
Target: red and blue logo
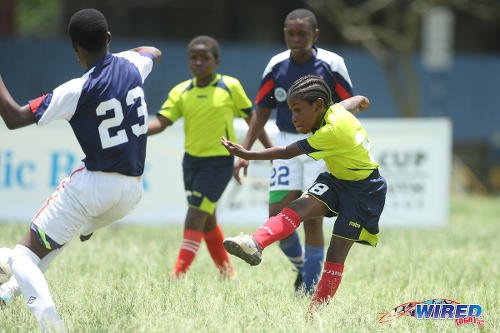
{"x": 437, "y": 308}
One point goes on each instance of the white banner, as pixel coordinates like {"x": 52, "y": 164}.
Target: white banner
{"x": 414, "y": 155}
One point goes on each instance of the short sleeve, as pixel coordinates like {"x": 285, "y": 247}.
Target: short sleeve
{"x": 61, "y": 103}
{"x": 171, "y": 108}
{"x": 142, "y": 60}
{"x": 242, "y": 104}
{"x": 321, "y": 144}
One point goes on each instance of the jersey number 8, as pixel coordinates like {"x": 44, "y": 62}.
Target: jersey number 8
{"x": 107, "y": 140}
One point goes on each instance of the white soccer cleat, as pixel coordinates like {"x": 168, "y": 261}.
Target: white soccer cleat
{"x": 244, "y": 247}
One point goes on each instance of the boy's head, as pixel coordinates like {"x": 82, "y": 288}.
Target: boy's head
{"x": 303, "y": 14}
{"x": 203, "y": 56}
{"x": 89, "y": 29}
{"x": 301, "y": 32}
{"x": 308, "y": 99}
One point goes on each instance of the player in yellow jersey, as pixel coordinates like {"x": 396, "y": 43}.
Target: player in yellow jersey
{"x": 209, "y": 102}
{"x": 353, "y": 189}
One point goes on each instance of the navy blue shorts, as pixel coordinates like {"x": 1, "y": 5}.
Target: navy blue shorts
{"x": 205, "y": 179}
{"x": 358, "y": 204}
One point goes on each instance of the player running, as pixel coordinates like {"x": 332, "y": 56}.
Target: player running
{"x": 291, "y": 177}
{"x": 107, "y": 111}
{"x": 209, "y": 102}
{"x": 352, "y": 189}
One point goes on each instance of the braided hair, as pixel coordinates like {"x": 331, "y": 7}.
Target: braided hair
{"x": 309, "y": 88}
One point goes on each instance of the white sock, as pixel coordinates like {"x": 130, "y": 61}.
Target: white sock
{"x": 24, "y": 265}
{"x": 12, "y": 287}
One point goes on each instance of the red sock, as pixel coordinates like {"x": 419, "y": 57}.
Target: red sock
{"x": 277, "y": 227}
{"x": 214, "y": 239}
{"x": 327, "y": 286}
{"x": 189, "y": 247}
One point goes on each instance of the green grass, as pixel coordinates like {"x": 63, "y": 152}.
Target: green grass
{"x": 118, "y": 281}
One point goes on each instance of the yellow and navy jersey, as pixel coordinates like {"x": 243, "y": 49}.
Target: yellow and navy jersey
{"x": 208, "y": 113}
{"x": 343, "y": 144}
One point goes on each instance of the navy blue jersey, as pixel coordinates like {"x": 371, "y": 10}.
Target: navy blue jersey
{"x": 281, "y": 72}
{"x": 107, "y": 110}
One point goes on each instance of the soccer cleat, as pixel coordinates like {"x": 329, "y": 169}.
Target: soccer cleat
{"x": 244, "y": 247}
{"x": 84, "y": 238}
{"x": 298, "y": 285}
{"x": 5, "y": 297}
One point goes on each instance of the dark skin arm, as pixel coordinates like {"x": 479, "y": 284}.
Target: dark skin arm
{"x": 150, "y": 49}
{"x": 263, "y": 137}
{"x": 158, "y": 125}
{"x": 356, "y": 104}
{"x": 273, "y": 153}
{"x": 255, "y": 130}
{"x": 14, "y": 115}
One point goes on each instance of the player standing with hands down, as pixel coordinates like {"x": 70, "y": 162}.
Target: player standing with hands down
{"x": 352, "y": 189}
{"x": 291, "y": 177}
{"x": 107, "y": 111}
{"x": 209, "y": 102}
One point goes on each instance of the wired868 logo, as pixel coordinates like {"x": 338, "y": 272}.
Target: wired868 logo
{"x": 438, "y": 308}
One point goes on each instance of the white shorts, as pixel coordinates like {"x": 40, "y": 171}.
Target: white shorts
{"x": 295, "y": 174}
{"x": 86, "y": 201}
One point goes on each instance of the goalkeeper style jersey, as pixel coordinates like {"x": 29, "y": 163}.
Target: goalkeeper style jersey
{"x": 343, "y": 144}
{"x": 208, "y": 113}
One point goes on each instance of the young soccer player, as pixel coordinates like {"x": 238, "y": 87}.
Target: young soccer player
{"x": 352, "y": 189}
{"x": 291, "y": 177}
{"x": 107, "y": 111}
{"x": 208, "y": 102}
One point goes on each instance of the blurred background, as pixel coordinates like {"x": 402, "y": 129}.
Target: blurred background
{"x": 412, "y": 58}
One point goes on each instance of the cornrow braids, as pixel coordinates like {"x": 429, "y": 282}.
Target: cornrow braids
{"x": 309, "y": 88}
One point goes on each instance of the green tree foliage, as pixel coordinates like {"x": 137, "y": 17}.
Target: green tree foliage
{"x": 39, "y": 18}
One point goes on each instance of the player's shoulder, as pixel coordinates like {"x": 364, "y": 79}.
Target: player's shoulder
{"x": 329, "y": 56}
{"x": 230, "y": 81}
{"x": 182, "y": 87}
{"x": 276, "y": 60}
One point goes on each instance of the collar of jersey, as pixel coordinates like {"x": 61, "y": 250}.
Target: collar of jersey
{"x": 100, "y": 62}
{"x": 217, "y": 77}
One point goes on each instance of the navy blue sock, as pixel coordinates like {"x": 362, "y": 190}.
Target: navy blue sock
{"x": 292, "y": 248}
{"x": 312, "y": 266}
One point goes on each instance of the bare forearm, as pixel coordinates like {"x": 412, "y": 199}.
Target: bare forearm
{"x": 158, "y": 125}
{"x": 14, "y": 116}
{"x": 355, "y": 104}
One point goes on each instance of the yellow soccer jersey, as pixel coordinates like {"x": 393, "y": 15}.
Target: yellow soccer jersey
{"x": 343, "y": 143}
{"x": 208, "y": 113}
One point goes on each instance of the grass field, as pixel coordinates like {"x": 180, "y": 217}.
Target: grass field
{"x": 118, "y": 281}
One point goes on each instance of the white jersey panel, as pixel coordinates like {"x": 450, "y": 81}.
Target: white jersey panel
{"x": 335, "y": 62}
{"x": 143, "y": 64}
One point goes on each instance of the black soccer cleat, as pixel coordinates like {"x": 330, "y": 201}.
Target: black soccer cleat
{"x": 84, "y": 238}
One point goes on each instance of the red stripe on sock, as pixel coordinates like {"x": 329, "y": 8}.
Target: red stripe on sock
{"x": 187, "y": 253}
{"x": 277, "y": 227}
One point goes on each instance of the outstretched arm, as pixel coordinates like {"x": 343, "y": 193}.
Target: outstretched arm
{"x": 356, "y": 104}
{"x": 158, "y": 125}
{"x": 150, "y": 49}
{"x": 263, "y": 137}
{"x": 273, "y": 153}
{"x": 13, "y": 115}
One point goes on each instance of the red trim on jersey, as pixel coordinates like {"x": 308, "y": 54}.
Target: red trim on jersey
{"x": 144, "y": 51}
{"x": 267, "y": 87}
{"x": 343, "y": 94}
{"x": 34, "y": 104}
{"x": 55, "y": 195}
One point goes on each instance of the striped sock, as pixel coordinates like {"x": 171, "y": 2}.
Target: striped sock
{"x": 312, "y": 267}
{"x": 292, "y": 248}
{"x": 277, "y": 227}
{"x": 189, "y": 248}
